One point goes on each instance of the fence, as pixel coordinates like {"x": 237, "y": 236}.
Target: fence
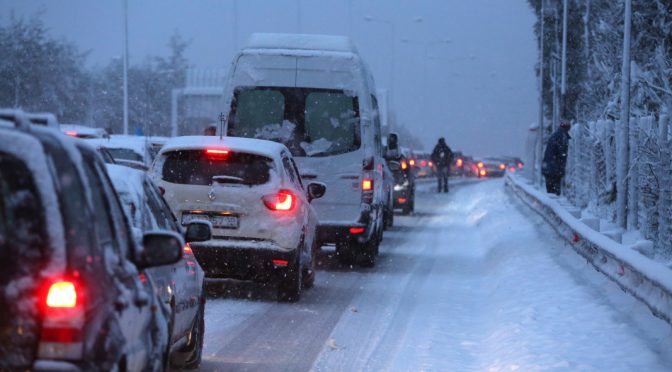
{"x": 591, "y": 183}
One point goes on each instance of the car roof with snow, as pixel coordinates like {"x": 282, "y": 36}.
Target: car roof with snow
{"x": 332, "y": 43}
{"x": 237, "y": 144}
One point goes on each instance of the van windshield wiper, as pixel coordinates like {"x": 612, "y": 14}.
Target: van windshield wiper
{"x": 230, "y": 179}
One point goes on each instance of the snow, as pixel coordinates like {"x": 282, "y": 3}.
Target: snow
{"x": 252, "y": 146}
{"x": 301, "y": 41}
{"x": 470, "y": 283}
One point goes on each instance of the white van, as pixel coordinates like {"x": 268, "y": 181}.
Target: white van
{"x": 316, "y": 95}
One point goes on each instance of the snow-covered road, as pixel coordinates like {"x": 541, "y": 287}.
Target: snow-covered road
{"x": 472, "y": 282}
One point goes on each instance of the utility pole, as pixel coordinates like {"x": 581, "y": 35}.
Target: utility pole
{"x": 563, "y": 81}
{"x": 540, "y": 134}
{"x": 622, "y": 160}
{"x": 125, "y": 66}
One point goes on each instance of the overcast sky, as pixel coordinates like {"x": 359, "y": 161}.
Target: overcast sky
{"x": 463, "y": 69}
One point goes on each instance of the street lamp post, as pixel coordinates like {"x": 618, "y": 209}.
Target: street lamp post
{"x": 392, "y": 42}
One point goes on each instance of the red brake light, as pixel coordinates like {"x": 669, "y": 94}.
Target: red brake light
{"x": 520, "y": 165}
{"x": 404, "y": 165}
{"x": 367, "y": 184}
{"x": 431, "y": 164}
{"x": 187, "y": 249}
{"x": 512, "y": 169}
{"x": 402, "y": 200}
{"x": 357, "y": 230}
{"x": 62, "y": 294}
{"x": 217, "y": 153}
{"x": 280, "y": 262}
{"x": 284, "y": 200}
{"x": 423, "y": 163}
{"x": 71, "y": 133}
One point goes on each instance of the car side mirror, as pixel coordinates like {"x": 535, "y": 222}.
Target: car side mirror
{"x": 316, "y": 190}
{"x": 198, "y": 231}
{"x": 394, "y": 165}
{"x": 160, "y": 248}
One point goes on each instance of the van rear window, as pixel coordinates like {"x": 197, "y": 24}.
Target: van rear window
{"x": 310, "y": 122}
{"x": 196, "y": 167}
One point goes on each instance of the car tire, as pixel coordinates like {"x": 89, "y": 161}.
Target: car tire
{"x": 289, "y": 288}
{"x": 345, "y": 253}
{"x": 368, "y": 253}
{"x": 309, "y": 272}
{"x": 194, "y": 349}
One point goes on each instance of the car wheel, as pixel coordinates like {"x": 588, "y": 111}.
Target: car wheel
{"x": 368, "y": 251}
{"x": 309, "y": 272}
{"x": 193, "y": 351}
{"x": 289, "y": 288}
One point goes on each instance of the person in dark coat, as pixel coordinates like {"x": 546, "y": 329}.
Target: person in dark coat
{"x": 442, "y": 157}
{"x": 555, "y": 158}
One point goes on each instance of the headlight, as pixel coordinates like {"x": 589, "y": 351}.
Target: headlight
{"x": 401, "y": 187}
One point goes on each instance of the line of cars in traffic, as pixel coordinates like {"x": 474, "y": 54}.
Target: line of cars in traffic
{"x": 109, "y": 251}
{"x": 112, "y": 238}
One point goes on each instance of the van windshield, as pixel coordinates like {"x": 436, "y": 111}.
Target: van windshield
{"x": 310, "y": 122}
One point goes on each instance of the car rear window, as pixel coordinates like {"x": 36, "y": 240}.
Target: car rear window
{"x": 22, "y": 228}
{"x": 197, "y": 167}
{"x": 124, "y": 154}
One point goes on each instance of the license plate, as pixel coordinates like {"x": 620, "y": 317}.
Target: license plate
{"x": 218, "y": 221}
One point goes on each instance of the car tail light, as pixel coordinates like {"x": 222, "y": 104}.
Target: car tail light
{"x": 217, "y": 154}
{"x": 512, "y": 169}
{"x": 187, "y": 251}
{"x": 431, "y": 164}
{"x": 460, "y": 162}
{"x": 402, "y": 200}
{"x": 502, "y": 166}
{"x": 71, "y": 133}
{"x": 280, "y": 262}
{"x": 62, "y": 321}
{"x": 412, "y": 162}
{"x": 423, "y": 163}
{"x": 284, "y": 200}
{"x": 483, "y": 172}
{"x": 404, "y": 165}
{"x": 480, "y": 164}
{"x": 520, "y": 165}
{"x": 367, "y": 190}
{"x": 357, "y": 230}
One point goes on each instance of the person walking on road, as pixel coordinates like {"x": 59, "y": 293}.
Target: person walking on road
{"x": 555, "y": 158}
{"x": 442, "y": 157}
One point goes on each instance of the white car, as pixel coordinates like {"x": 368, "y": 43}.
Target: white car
{"x": 251, "y": 193}
{"x": 131, "y": 151}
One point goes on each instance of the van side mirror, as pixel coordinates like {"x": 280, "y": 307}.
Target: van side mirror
{"x": 160, "y": 248}
{"x": 316, "y": 190}
{"x": 198, "y": 231}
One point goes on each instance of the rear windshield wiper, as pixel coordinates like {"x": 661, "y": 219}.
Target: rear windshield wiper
{"x": 230, "y": 179}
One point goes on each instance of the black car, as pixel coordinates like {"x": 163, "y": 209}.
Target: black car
{"x": 398, "y": 162}
{"x": 180, "y": 285}
{"x": 75, "y": 295}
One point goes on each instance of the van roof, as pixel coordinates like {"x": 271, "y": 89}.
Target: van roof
{"x": 333, "y": 43}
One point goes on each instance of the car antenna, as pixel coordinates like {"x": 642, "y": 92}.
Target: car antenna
{"x": 221, "y": 125}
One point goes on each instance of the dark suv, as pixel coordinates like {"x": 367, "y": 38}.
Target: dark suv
{"x": 74, "y": 295}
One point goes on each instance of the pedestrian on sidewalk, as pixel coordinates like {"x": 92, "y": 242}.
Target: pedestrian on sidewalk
{"x": 555, "y": 157}
{"x": 442, "y": 157}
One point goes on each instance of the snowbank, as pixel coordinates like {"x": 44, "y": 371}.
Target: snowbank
{"x": 645, "y": 279}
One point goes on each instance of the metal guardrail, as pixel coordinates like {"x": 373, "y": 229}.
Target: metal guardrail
{"x": 648, "y": 281}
